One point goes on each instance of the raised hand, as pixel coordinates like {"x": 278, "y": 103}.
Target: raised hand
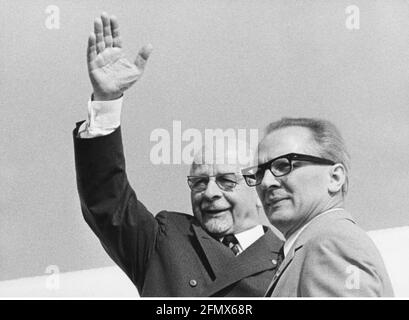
{"x": 109, "y": 71}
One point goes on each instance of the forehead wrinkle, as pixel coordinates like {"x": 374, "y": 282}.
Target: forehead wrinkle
{"x": 210, "y": 169}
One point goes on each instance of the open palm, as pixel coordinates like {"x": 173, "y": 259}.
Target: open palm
{"x": 109, "y": 71}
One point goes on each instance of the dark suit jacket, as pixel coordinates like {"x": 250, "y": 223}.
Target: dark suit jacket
{"x": 169, "y": 254}
{"x": 332, "y": 257}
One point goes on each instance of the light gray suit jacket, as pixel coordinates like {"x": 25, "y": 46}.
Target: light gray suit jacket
{"x": 332, "y": 257}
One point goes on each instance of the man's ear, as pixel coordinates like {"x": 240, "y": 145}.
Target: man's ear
{"x": 337, "y": 176}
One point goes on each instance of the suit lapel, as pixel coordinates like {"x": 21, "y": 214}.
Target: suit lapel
{"x": 317, "y": 223}
{"x": 256, "y": 258}
{"x": 216, "y": 253}
{"x": 287, "y": 260}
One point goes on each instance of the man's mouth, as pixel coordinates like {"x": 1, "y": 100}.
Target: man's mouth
{"x": 274, "y": 201}
{"x": 214, "y": 210}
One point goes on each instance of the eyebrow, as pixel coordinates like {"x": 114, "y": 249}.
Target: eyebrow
{"x": 218, "y": 174}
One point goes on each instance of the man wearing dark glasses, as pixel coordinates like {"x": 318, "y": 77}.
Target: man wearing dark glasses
{"x": 302, "y": 181}
{"x": 223, "y": 250}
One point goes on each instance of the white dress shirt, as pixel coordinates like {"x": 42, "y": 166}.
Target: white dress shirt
{"x": 246, "y": 238}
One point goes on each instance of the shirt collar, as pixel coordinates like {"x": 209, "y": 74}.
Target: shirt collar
{"x": 248, "y": 237}
{"x": 291, "y": 240}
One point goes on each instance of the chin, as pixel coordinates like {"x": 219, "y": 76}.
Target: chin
{"x": 278, "y": 217}
{"x": 217, "y": 227}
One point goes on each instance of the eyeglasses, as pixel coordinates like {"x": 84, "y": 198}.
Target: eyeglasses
{"x": 279, "y": 167}
{"x": 226, "y": 182}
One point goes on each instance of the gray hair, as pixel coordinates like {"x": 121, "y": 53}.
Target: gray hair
{"x": 330, "y": 143}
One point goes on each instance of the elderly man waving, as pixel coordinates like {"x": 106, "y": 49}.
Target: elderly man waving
{"x": 222, "y": 250}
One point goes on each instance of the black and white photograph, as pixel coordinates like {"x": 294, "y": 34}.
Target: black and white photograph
{"x": 204, "y": 149}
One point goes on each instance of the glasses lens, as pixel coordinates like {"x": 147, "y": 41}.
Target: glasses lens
{"x": 250, "y": 180}
{"x": 226, "y": 182}
{"x": 198, "y": 183}
{"x": 281, "y": 166}
{"x": 253, "y": 176}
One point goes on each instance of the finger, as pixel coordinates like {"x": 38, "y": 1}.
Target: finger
{"x": 115, "y": 32}
{"x": 143, "y": 56}
{"x": 99, "y": 35}
{"x": 106, "y": 28}
{"x": 92, "y": 48}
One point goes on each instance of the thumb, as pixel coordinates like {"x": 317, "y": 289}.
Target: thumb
{"x": 143, "y": 56}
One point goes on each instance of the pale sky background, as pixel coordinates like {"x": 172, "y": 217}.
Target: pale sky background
{"x": 216, "y": 64}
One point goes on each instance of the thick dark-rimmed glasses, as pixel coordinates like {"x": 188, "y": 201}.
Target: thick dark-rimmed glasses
{"x": 279, "y": 167}
{"x": 226, "y": 182}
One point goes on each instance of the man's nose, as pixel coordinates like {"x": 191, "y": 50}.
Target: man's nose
{"x": 269, "y": 180}
{"x": 212, "y": 191}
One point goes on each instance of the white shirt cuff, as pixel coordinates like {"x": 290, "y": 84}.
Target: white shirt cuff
{"x": 103, "y": 118}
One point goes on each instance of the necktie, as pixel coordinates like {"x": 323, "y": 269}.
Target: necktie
{"x": 280, "y": 256}
{"x": 231, "y": 241}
